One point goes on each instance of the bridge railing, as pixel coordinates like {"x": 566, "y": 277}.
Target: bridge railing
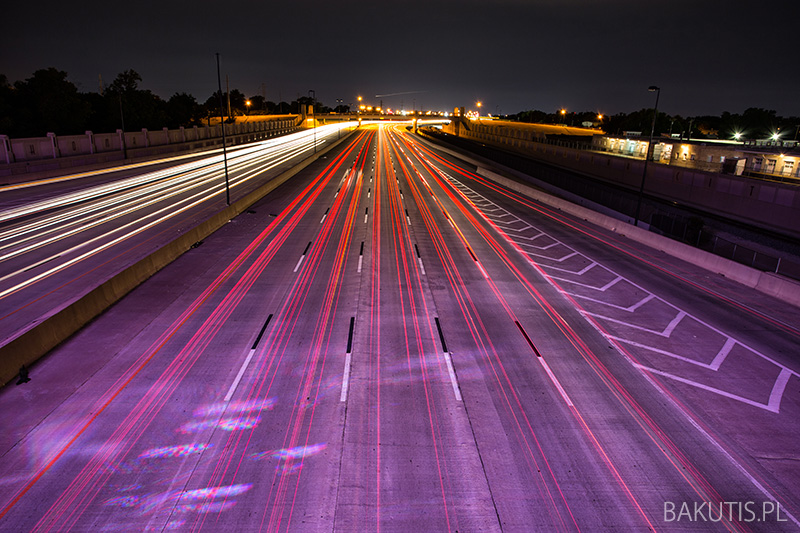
{"x": 60, "y": 146}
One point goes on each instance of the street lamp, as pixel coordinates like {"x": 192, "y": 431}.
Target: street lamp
{"x": 224, "y": 141}
{"x": 313, "y": 95}
{"x": 657, "y": 90}
{"x": 247, "y": 103}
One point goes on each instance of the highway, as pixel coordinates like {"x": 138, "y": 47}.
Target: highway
{"x": 61, "y": 237}
{"x": 392, "y": 342}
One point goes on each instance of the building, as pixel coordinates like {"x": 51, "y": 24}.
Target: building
{"x": 768, "y": 159}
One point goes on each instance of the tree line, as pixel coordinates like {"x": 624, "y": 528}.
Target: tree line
{"x": 49, "y": 102}
{"x": 753, "y": 123}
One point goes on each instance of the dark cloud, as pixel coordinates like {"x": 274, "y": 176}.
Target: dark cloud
{"x": 707, "y": 55}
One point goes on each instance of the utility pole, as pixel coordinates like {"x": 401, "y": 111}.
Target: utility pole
{"x": 222, "y": 123}
{"x": 313, "y": 115}
{"x": 228, "y": 92}
{"x": 657, "y": 90}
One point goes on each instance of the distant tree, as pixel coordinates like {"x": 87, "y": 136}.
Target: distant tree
{"x": 6, "y": 106}
{"x": 182, "y": 109}
{"x": 47, "y": 102}
{"x": 237, "y": 103}
{"x": 126, "y": 82}
{"x": 105, "y": 115}
{"x": 531, "y": 116}
{"x": 257, "y": 104}
{"x": 140, "y": 108}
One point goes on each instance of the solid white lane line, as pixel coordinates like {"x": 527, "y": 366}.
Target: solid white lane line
{"x": 345, "y": 377}
{"x": 347, "y": 359}
{"x": 555, "y": 381}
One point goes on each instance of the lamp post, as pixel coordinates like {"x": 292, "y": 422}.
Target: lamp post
{"x": 122, "y": 119}
{"x": 222, "y": 123}
{"x": 313, "y": 95}
{"x": 340, "y": 105}
{"x": 657, "y": 90}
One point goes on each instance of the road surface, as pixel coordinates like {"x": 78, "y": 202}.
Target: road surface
{"x": 392, "y": 342}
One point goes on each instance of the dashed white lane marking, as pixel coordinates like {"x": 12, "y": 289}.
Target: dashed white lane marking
{"x": 236, "y": 381}
{"x": 452, "y": 372}
{"x": 555, "y": 381}
{"x": 300, "y": 262}
{"x": 345, "y": 377}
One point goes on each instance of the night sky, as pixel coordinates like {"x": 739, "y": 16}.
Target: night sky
{"x": 708, "y": 56}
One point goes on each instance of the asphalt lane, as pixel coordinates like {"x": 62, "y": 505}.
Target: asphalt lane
{"x": 383, "y": 344}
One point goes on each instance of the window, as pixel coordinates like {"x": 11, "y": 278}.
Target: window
{"x": 788, "y": 168}
{"x": 771, "y": 165}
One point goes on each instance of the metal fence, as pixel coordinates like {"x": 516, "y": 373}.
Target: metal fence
{"x": 691, "y": 231}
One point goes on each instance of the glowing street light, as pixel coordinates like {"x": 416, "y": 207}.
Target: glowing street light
{"x": 247, "y": 103}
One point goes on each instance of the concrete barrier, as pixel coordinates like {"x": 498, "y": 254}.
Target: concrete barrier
{"x": 53, "y": 330}
{"x": 784, "y": 289}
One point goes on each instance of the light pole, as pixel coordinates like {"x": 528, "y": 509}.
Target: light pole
{"x": 341, "y": 110}
{"x": 313, "y": 95}
{"x": 657, "y": 90}
{"x": 222, "y": 123}
{"x": 122, "y": 119}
